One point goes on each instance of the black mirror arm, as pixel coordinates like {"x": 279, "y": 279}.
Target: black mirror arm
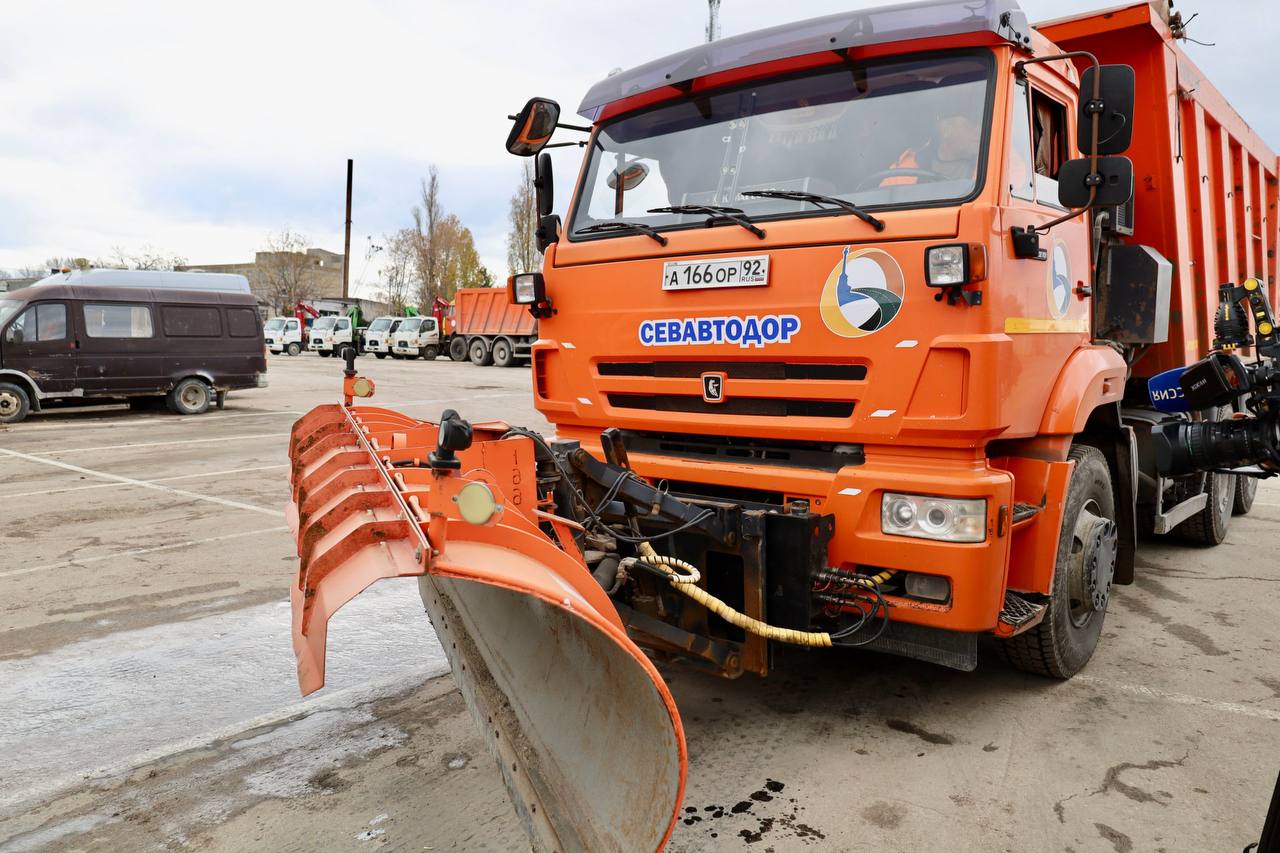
{"x": 1094, "y": 107}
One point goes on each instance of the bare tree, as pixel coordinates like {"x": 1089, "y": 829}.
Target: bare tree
{"x": 146, "y": 258}
{"x": 427, "y": 242}
{"x": 398, "y": 272}
{"x": 284, "y": 270}
{"x": 522, "y": 240}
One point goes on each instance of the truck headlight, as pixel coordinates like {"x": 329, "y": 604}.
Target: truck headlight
{"x": 925, "y": 517}
{"x": 527, "y": 288}
{"x": 945, "y": 266}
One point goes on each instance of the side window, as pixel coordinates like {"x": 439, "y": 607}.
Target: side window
{"x": 1049, "y": 144}
{"x": 1020, "y": 172}
{"x": 291, "y": 326}
{"x": 343, "y": 325}
{"x": 191, "y": 321}
{"x": 118, "y": 321}
{"x": 242, "y": 322}
{"x": 429, "y": 325}
{"x": 46, "y": 322}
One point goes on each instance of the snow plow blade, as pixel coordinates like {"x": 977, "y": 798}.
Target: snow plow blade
{"x": 583, "y": 727}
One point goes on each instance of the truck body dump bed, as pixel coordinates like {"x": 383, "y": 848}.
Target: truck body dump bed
{"x": 1216, "y": 228}
{"x": 488, "y": 311}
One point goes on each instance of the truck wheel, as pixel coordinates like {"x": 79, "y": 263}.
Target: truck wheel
{"x": 431, "y": 353}
{"x": 1062, "y": 644}
{"x": 1208, "y": 527}
{"x": 1246, "y": 491}
{"x": 480, "y": 354}
{"x": 458, "y": 349}
{"x": 190, "y": 397}
{"x": 380, "y": 354}
{"x": 294, "y": 348}
{"x": 323, "y": 353}
{"x": 503, "y": 353}
{"x": 14, "y": 403}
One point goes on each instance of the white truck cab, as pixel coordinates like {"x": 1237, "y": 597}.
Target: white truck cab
{"x": 377, "y": 338}
{"x": 283, "y": 334}
{"x": 330, "y": 335}
{"x": 417, "y": 337}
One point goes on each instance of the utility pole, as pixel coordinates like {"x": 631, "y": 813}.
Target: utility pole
{"x": 713, "y": 20}
{"x": 346, "y": 246}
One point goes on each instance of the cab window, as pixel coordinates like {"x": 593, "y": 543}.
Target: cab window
{"x": 1049, "y": 144}
{"x": 1020, "y": 174}
{"x": 291, "y": 326}
{"x": 343, "y": 325}
{"x": 39, "y": 323}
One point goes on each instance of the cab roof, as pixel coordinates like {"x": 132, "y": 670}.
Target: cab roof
{"x": 899, "y": 22}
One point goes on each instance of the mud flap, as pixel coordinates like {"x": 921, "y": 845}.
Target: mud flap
{"x": 584, "y": 729}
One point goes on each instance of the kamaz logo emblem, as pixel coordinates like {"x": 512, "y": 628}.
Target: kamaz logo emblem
{"x": 713, "y": 387}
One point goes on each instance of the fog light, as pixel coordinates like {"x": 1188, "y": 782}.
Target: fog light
{"x": 476, "y": 503}
{"x": 928, "y": 587}
{"x": 926, "y": 517}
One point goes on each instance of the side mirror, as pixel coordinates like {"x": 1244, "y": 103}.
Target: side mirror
{"x": 1114, "y": 180}
{"x": 544, "y": 184}
{"x": 1114, "y": 108}
{"x": 533, "y": 126}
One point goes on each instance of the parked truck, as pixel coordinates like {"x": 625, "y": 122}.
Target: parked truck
{"x": 844, "y": 340}
{"x": 488, "y": 329}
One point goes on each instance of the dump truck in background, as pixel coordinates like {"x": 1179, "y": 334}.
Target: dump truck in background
{"x": 488, "y": 329}
{"x": 845, "y": 341}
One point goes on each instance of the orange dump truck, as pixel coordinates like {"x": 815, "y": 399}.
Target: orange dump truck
{"x": 845, "y": 338}
{"x": 488, "y": 329}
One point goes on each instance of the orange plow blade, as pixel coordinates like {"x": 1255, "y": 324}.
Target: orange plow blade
{"x": 585, "y": 732}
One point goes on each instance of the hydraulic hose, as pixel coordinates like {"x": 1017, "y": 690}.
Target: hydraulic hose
{"x": 686, "y": 581}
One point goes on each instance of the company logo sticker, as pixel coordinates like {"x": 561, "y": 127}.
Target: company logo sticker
{"x": 863, "y": 293}
{"x": 713, "y": 387}
{"x": 1059, "y": 281}
{"x": 745, "y": 332}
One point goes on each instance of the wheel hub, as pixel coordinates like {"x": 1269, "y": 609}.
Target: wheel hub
{"x": 8, "y": 403}
{"x": 1101, "y": 542}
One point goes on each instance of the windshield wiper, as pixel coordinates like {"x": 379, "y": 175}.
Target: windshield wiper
{"x": 715, "y": 213}
{"x": 619, "y": 225}
{"x": 815, "y": 198}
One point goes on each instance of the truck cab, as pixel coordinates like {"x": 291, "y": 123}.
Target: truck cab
{"x": 878, "y": 273}
{"x": 283, "y": 335}
{"x": 330, "y": 334}
{"x": 417, "y": 337}
{"x": 377, "y": 338}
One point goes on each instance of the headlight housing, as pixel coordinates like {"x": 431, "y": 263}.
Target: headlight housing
{"x": 941, "y": 519}
{"x": 527, "y": 288}
{"x": 947, "y": 266}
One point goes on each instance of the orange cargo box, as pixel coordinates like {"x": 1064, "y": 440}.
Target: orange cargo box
{"x": 487, "y": 311}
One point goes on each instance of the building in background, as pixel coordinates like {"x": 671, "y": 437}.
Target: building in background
{"x": 7, "y": 284}
{"x": 279, "y": 279}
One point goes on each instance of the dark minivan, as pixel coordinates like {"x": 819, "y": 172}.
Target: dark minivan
{"x": 186, "y": 347}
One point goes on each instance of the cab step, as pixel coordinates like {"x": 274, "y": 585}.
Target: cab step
{"x": 1023, "y": 513}
{"x": 1018, "y": 614}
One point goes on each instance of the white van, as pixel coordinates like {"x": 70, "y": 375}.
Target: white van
{"x": 158, "y": 279}
{"x": 377, "y": 338}
{"x": 417, "y": 337}
{"x": 283, "y": 334}
{"x": 330, "y": 335}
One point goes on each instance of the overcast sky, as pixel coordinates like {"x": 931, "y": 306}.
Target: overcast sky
{"x": 197, "y": 128}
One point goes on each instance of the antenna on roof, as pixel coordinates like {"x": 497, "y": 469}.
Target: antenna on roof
{"x": 713, "y": 20}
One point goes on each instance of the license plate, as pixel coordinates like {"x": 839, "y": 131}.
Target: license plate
{"x": 729, "y": 272}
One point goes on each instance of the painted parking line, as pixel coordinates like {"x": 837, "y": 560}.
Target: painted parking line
{"x": 164, "y": 443}
{"x": 152, "y": 480}
{"x": 134, "y": 552}
{"x": 89, "y": 472}
{"x": 1216, "y": 706}
{"x": 145, "y": 420}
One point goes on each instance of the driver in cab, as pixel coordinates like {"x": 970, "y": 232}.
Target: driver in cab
{"x": 950, "y": 152}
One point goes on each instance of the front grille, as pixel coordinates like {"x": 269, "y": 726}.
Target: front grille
{"x": 819, "y": 455}
{"x": 764, "y": 407}
{"x": 316, "y": 341}
{"x": 734, "y": 370}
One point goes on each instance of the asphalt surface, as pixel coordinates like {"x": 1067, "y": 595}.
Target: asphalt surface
{"x": 148, "y": 700}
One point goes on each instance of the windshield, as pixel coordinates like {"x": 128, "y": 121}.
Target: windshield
{"x": 410, "y": 325}
{"x": 379, "y": 324}
{"x": 275, "y": 324}
{"x": 899, "y": 132}
{"x": 9, "y": 307}
{"x": 323, "y": 323}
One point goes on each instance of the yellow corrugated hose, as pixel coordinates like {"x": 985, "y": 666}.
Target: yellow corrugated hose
{"x": 686, "y": 580}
